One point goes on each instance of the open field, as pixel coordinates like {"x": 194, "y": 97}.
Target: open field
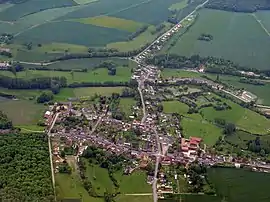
{"x": 243, "y": 118}
{"x": 175, "y": 107}
{"x": 179, "y": 6}
{"x": 230, "y": 40}
{"x": 264, "y": 16}
{"x": 111, "y": 22}
{"x": 235, "y": 185}
{"x": 123, "y": 198}
{"x": 22, "y": 112}
{"x": 105, "y": 91}
{"x": 98, "y": 75}
{"x": 126, "y": 105}
{"x": 179, "y": 73}
{"x": 85, "y": 1}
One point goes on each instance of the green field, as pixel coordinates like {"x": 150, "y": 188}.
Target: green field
{"x": 111, "y": 22}
{"x": 179, "y": 73}
{"x": 230, "y": 38}
{"x": 22, "y": 112}
{"x": 123, "y": 198}
{"x": 85, "y": 1}
{"x": 126, "y": 105}
{"x": 174, "y": 107}
{"x": 105, "y": 91}
{"x": 235, "y": 185}
{"x": 243, "y": 118}
{"x": 123, "y": 74}
{"x": 179, "y": 6}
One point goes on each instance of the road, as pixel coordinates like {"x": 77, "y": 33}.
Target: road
{"x": 199, "y": 6}
{"x": 50, "y": 151}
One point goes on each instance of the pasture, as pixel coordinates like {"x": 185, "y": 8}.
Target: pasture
{"x": 243, "y": 118}
{"x": 230, "y": 39}
{"x": 235, "y": 185}
{"x": 175, "y": 107}
{"x": 176, "y": 73}
{"x": 98, "y": 75}
{"x": 126, "y": 105}
{"x": 22, "y": 112}
{"x": 111, "y": 22}
{"x": 91, "y": 91}
{"x": 179, "y": 5}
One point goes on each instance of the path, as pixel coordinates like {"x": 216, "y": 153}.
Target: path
{"x": 261, "y": 24}
{"x": 33, "y": 131}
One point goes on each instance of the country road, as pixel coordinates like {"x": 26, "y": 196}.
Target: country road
{"x": 50, "y": 151}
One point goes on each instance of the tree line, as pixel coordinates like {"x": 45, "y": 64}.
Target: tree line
{"x": 5, "y": 123}
{"x": 247, "y": 6}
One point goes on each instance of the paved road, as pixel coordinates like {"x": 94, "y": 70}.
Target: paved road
{"x": 199, "y": 6}
{"x": 50, "y": 151}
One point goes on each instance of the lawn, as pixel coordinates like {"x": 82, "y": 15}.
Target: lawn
{"x": 105, "y": 91}
{"x": 126, "y": 105}
{"x": 234, "y": 185}
{"x": 243, "y": 118}
{"x": 179, "y": 73}
{"x": 22, "y": 112}
{"x": 174, "y": 107}
{"x": 230, "y": 39}
{"x": 98, "y": 75}
{"x": 111, "y": 22}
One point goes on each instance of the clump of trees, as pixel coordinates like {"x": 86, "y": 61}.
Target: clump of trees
{"x": 25, "y": 171}
{"x": 205, "y": 37}
{"x": 158, "y": 28}
{"x": 138, "y": 32}
{"x": 252, "y": 81}
{"x": 259, "y": 146}
{"x": 5, "y": 123}
{"x": 247, "y": 6}
{"x": 45, "y": 97}
{"x": 6, "y": 38}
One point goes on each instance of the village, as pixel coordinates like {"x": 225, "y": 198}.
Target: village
{"x": 149, "y": 136}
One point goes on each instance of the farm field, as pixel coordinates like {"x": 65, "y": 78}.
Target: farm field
{"x": 179, "y": 6}
{"x": 91, "y": 91}
{"x": 264, "y": 17}
{"x": 98, "y": 75}
{"x": 244, "y": 119}
{"x": 123, "y": 198}
{"x": 22, "y": 112}
{"x": 175, "y": 107}
{"x": 229, "y": 32}
{"x": 111, "y": 22}
{"x": 166, "y": 73}
{"x": 233, "y": 185}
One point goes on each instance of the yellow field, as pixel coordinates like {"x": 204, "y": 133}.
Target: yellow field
{"x": 111, "y": 22}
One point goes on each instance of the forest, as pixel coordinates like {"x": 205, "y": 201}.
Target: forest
{"x": 25, "y": 173}
{"x": 239, "y": 5}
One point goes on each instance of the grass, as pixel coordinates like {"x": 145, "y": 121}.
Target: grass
{"x": 64, "y": 94}
{"x": 134, "y": 183}
{"x": 61, "y": 48}
{"x": 179, "y": 6}
{"x": 91, "y": 91}
{"x": 199, "y": 127}
{"x": 85, "y": 1}
{"x": 123, "y": 198}
{"x": 244, "y": 119}
{"x": 98, "y": 75}
{"x": 126, "y": 105}
{"x": 234, "y": 185}
{"x": 260, "y": 91}
{"x": 231, "y": 40}
{"x": 22, "y": 94}
{"x": 111, "y": 22}
{"x": 175, "y": 107}
{"x": 22, "y": 112}
{"x": 179, "y": 73}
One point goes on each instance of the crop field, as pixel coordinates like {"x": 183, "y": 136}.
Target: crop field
{"x": 88, "y": 35}
{"x": 98, "y": 75}
{"x": 230, "y": 39}
{"x": 235, "y": 185}
{"x": 22, "y": 112}
{"x": 260, "y": 91}
{"x": 179, "y": 73}
{"x": 111, "y": 22}
{"x": 32, "y": 6}
{"x": 244, "y": 119}
{"x": 91, "y": 91}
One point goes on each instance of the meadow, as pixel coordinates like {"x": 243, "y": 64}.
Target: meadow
{"x": 22, "y": 112}
{"x": 123, "y": 74}
{"x": 166, "y": 73}
{"x": 243, "y": 118}
{"x": 91, "y": 91}
{"x": 230, "y": 39}
{"x": 234, "y": 185}
{"x": 126, "y": 105}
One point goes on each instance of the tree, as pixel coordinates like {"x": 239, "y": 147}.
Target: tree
{"x": 72, "y": 74}
{"x": 229, "y": 129}
{"x": 62, "y": 154}
{"x": 108, "y": 197}
{"x": 45, "y": 97}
